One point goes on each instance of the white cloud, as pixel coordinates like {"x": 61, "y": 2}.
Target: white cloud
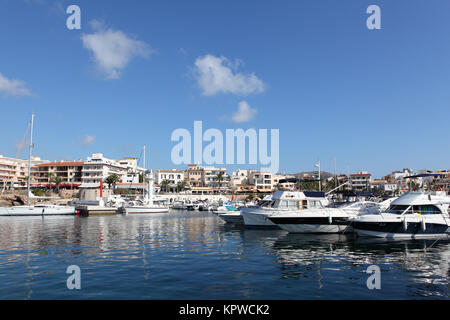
{"x": 88, "y": 140}
{"x": 216, "y": 74}
{"x": 244, "y": 113}
{"x": 13, "y": 87}
{"x": 112, "y": 49}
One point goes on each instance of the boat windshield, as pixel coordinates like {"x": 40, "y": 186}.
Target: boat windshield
{"x": 399, "y": 209}
{"x": 295, "y": 204}
{"x": 420, "y": 209}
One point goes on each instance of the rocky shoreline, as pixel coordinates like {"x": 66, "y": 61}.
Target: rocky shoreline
{"x": 19, "y": 198}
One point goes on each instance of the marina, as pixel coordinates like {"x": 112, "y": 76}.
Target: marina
{"x": 224, "y": 155}
{"x": 169, "y": 256}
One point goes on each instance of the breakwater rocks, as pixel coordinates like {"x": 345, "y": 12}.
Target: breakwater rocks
{"x": 10, "y": 200}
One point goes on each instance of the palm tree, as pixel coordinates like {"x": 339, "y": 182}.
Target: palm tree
{"x": 165, "y": 185}
{"x": 57, "y": 180}
{"x": 50, "y": 176}
{"x": 112, "y": 180}
{"x": 219, "y": 178}
{"x": 181, "y": 185}
{"x": 250, "y": 197}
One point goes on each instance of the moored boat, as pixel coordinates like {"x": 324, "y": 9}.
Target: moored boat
{"x": 414, "y": 215}
{"x": 282, "y": 202}
{"x": 35, "y": 210}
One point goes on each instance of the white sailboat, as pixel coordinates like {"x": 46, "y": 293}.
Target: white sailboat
{"x": 146, "y": 204}
{"x": 36, "y": 210}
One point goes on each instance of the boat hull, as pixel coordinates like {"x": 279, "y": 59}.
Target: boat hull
{"x": 313, "y": 224}
{"x": 143, "y": 210}
{"x": 396, "y": 230}
{"x": 37, "y": 211}
{"x": 258, "y": 221}
{"x": 232, "y": 218}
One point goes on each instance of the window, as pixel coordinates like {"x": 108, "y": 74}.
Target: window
{"x": 305, "y": 204}
{"x": 426, "y": 209}
{"x": 293, "y": 204}
{"x": 283, "y": 204}
{"x": 399, "y": 209}
{"x": 315, "y": 204}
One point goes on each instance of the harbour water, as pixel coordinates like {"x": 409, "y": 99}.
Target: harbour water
{"x": 193, "y": 255}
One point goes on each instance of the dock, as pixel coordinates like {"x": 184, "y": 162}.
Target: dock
{"x": 92, "y": 210}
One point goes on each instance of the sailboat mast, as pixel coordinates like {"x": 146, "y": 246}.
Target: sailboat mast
{"x": 143, "y": 176}
{"x": 29, "y": 161}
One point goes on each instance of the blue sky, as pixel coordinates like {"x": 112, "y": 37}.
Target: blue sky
{"x": 377, "y": 100}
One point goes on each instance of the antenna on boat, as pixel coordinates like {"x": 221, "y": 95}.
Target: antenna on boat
{"x": 320, "y": 182}
{"x": 29, "y": 160}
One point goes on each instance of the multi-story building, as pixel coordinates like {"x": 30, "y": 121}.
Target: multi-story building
{"x": 261, "y": 180}
{"x": 360, "y": 181}
{"x": 97, "y": 168}
{"x": 194, "y": 176}
{"x": 211, "y": 180}
{"x": 69, "y": 172}
{"x": 284, "y": 185}
{"x": 198, "y": 176}
{"x": 173, "y": 176}
{"x": 14, "y": 172}
{"x": 239, "y": 177}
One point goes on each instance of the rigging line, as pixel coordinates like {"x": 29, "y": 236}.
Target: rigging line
{"x": 19, "y": 148}
{"x": 22, "y": 143}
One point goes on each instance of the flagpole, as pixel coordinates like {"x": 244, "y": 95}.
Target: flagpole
{"x": 320, "y": 180}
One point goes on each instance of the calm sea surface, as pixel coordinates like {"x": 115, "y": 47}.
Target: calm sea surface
{"x": 184, "y": 255}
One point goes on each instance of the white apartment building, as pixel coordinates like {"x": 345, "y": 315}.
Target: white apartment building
{"x": 239, "y": 177}
{"x": 210, "y": 176}
{"x": 173, "y": 176}
{"x": 97, "y": 168}
{"x": 14, "y": 172}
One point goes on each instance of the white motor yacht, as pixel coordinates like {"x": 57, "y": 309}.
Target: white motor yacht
{"x": 282, "y": 202}
{"x": 414, "y": 215}
{"x": 323, "y": 220}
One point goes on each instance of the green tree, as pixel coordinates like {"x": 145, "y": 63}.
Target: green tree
{"x": 57, "y": 180}
{"x": 38, "y": 192}
{"x": 219, "y": 178}
{"x": 112, "y": 180}
{"x": 165, "y": 185}
{"x": 250, "y": 197}
{"x": 50, "y": 177}
{"x": 181, "y": 185}
{"x": 329, "y": 185}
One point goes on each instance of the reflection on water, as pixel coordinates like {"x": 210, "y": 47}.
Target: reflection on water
{"x": 185, "y": 255}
